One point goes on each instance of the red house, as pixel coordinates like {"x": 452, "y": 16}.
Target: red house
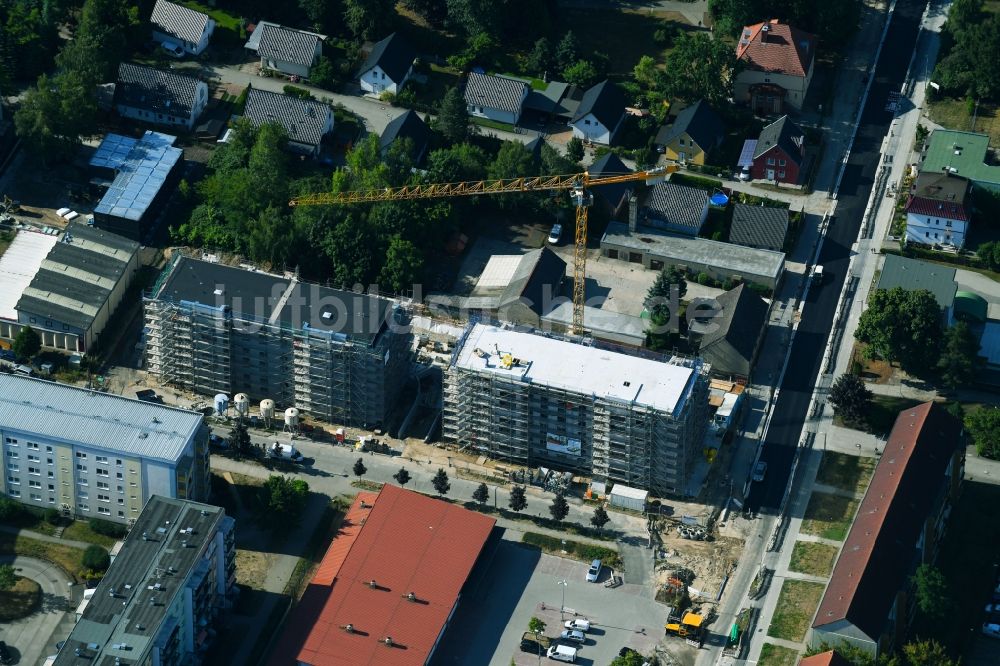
{"x": 780, "y": 152}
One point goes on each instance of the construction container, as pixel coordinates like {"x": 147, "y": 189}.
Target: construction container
{"x": 627, "y": 497}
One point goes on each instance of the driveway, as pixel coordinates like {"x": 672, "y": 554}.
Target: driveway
{"x": 33, "y": 638}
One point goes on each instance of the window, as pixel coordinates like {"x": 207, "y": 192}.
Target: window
{"x": 35, "y": 497}
{"x": 14, "y": 467}
{"x": 947, "y": 223}
{"x": 131, "y": 471}
{"x": 12, "y": 454}
{"x": 103, "y": 485}
{"x": 13, "y": 480}
{"x": 383, "y": 76}
{"x": 101, "y": 459}
{"x": 134, "y": 510}
{"x": 52, "y": 474}
{"x": 586, "y": 121}
{"x": 32, "y": 458}
{"x": 121, "y": 489}
{"x": 81, "y": 468}
{"x": 781, "y": 162}
{"x": 121, "y": 514}
{"x": 121, "y": 500}
{"x": 12, "y": 442}
{"x": 48, "y": 449}
{"x": 770, "y": 161}
{"x": 83, "y": 494}
{"x": 103, "y": 498}
{"x": 14, "y": 492}
{"x": 82, "y": 506}
{"x": 52, "y": 487}
{"x": 52, "y": 499}
{"x": 32, "y": 446}
{"x": 927, "y": 234}
{"x": 81, "y": 455}
{"x": 680, "y": 142}
{"x": 49, "y": 461}
{"x": 35, "y": 471}
{"x": 133, "y": 484}
{"x": 118, "y": 462}
{"x": 101, "y": 472}
{"x": 781, "y": 174}
{"x": 34, "y": 484}
{"x": 118, "y": 475}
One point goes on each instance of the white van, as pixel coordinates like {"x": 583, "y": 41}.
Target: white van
{"x": 562, "y": 653}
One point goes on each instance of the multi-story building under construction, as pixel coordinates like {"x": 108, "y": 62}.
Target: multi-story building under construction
{"x": 539, "y": 400}
{"x": 338, "y": 356}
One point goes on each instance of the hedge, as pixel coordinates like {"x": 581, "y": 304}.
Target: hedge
{"x": 581, "y": 551}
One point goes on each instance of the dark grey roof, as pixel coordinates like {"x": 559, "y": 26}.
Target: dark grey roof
{"x": 256, "y": 295}
{"x": 759, "y": 226}
{"x": 392, "y": 55}
{"x": 729, "y": 339}
{"x": 122, "y": 608}
{"x": 677, "y": 206}
{"x": 913, "y": 274}
{"x": 185, "y": 24}
{"x": 700, "y": 122}
{"x": 783, "y": 133}
{"x": 606, "y": 101}
{"x": 285, "y": 45}
{"x": 610, "y": 165}
{"x": 495, "y": 92}
{"x": 407, "y": 126}
{"x": 303, "y": 120}
{"x": 142, "y": 87}
{"x": 538, "y": 271}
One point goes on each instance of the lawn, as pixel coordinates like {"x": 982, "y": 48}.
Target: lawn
{"x": 815, "y": 559}
{"x": 953, "y": 114}
{"x": 66, "y": 557}
{"x": 777, "y": 655}
{"x": 797, "y": 604}
{"x": 486, "y": 122}
{"x": 844, "y": 471}
{"x": 829, "y": 516}
{"x": 574, "y": 549}
{"x": 223, "y": 19}
{"x": 21, "y": 600}
{"x": 79, "y": 530}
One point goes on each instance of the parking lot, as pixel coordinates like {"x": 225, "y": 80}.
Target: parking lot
{"x": 515, "y": 583}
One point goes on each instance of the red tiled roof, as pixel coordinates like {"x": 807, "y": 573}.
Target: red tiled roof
{"x": 781, "y": 48}
{"x": 944, "y": 209}
{"x": 873, "y": 564}
{"x": 406, "y": 543}
{"x": 828, "y": 658}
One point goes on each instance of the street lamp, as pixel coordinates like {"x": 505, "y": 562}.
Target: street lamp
{"x": 562, "y": 607}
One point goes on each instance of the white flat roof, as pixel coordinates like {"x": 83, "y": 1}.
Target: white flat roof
{"x": 576, "y": 367}
{"x": 499, "y": 271}
{"x": 18, "y": 266}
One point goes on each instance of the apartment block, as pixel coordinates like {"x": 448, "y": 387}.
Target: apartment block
{"x": 341, "y": 357}
{"x": 172, "y": 578}
{"x": 97, "y": 455}
{"x": 534, "y": 400}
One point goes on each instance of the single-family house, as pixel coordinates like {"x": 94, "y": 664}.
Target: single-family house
{"x": 913, "y": 274}
{"x": 614, "y": 196}
{"x": 763, "y": 227}
{"x": 961, "y": 154}
{"x": 175, "y": 25}
{"x": 407, "y": 126}
{"x": 498, "y": 98}
{"x": 306, "y": 122}
{"x": 777, "y": 66}
{"x": 780, "y": 152}
{"x": 935, "y": 211}
{"x": 600, "y": 114}
{"x": 869, "y": 600}
{"x": 728, "y": 330}
{"x": 288, "y": 51}
{"x": 158, "y": 97}
{"x": 694, "y": 134}
{"x": 676, "y": 208}
{"x": 388, "y": 67}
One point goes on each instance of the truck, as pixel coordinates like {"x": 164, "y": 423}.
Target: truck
{"x": 286, "y": 452}
{"x": 690, "y": 628}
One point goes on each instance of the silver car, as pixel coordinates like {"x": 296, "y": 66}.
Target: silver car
{"x": 573, "y": 635}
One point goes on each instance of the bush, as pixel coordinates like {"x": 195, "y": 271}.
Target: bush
{"x": 582, "y": 551}
{"x": 704, "y": 279}
{"x": 95, "y": 558}
{"x": 107, "y": 528}
{"x": 52, "y": 516}
{"x": 295, "y": 91}
{"x": 10, "y": 511}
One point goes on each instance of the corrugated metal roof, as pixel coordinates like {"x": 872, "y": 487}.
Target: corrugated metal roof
{"x": 99, "y": 420}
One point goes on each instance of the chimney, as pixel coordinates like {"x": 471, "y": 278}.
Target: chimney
{"x": 372, "y": 584}
{"x": 633, "y": 213}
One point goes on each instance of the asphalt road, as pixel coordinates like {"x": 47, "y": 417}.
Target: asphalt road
{"x": 821, "y": 302}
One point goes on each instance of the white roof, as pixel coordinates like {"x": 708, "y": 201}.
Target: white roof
{"x": 621, "y": 490}
{"x": 499, "y": 271}
{"x": 98, "y": 420}
{"x": 576, "y": 367}
{"x": 728, "y": 404}
{"x": 18, "y": 266}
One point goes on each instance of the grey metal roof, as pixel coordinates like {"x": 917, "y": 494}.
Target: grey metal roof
{"x": 185, "y": 24}
{"x": 287, "y": 45}
{"x": 393, "y": 55}
{"x": 131, "y": 603}
{"x": 142, "y": 87}
{"x": 678, "y": 207}
{"x": 759, "y": 226}
{"x": 101, "y": 421}
{"x": 728, "y": 341}
{"x": 495, "y": 92}
{"x": 303, "y": 120}
{"x": 913, "y": 274}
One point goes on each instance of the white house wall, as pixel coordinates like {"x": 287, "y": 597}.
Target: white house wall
{"x": 590, "y": 129}
{"x": 930, "y": 229}
{"x": 189, "y": 47}
{"x": 795, "y": 86}
{"x": 375, "y": 81}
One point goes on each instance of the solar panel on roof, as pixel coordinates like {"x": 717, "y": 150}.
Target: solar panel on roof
{"x": 142, "y": 171}
{"x": 746, "y": 155}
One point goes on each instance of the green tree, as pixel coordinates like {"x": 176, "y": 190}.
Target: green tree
{"x": 927, "y": 653}
{"x": 518, "y": 501}
{"x": 459, "y": 162}
{"x": 902, "y": 325}
{"x": 323, "y": 74}
{"x": 440, "y": 482}
{"x": 403, "y": 267}
{"x": 53, "y": 516}
{"x": 239, "y": 440}
{"x": 369, "y": 19}
{"x": 96, "y": 559}
{"x": 581, "y": 73}
{"x": 284, "y": 499}
{"x": 851, "y": 398}
{"x": 11, "y": 512}
{"x": 323, "y": 15}
{"x": 567, "y": 51}
{"x": 54, "y": 115}
{"x": 402, "y": 476}
{"x": 600, "y": 517}
{"x": 360, "y": 469}
{"x": 559, "y": 508}
{"x": 647, "y": 73}
{"x": 659, "y": 294}
{"x": 700, "y": 67}
{"x": 513, "y": 160}
{"x": 632, "y": 658}
{"x": 453, "y": 117}
{"x": 959, "y": 356}
{"x": 433, "y": 11}
{"x": 540, "y": 59}
{"x": 26, "y": 344}
{"x": 473, "y": 17}
{"x": 932, "y": 592}
{"x": 481, "y": 494}
{"x": 574, "y": 149}
{"x": 536, "y": 626}
{"x": 8, "y": 577}
{"x": 983, "y": 425}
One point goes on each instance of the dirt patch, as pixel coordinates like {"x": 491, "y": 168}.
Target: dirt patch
{"x": 252, "y": 567}
{"x": 709, "y": 561}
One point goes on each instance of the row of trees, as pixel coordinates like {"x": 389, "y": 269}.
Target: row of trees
{"x": 970, "y": 42}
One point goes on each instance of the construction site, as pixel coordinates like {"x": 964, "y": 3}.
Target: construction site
{"x": 339, "y": 357}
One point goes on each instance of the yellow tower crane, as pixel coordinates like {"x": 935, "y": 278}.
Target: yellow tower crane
{"x": 578, "y": 184}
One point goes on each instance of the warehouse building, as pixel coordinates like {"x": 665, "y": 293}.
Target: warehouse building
{"x": 158, "y": 602}
{"x": 538, "y": 400}
{"x": 67, "y": 288}
{"x": 97, "y": 455}
{"x": 338, "y": 356}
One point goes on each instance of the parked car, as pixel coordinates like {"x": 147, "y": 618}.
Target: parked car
{"x": 562, "y": 653}
{"x": 555, "y": 234}
{"x": 992, "y": 630}
{"x": 173, "y": 49}
{"x": 759, "y": 470}
{"x": 594, "y": 572}
{"x": 573, "y": 635}
{"x": 218, "y": 441}
{"x": 581, "y": 623}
